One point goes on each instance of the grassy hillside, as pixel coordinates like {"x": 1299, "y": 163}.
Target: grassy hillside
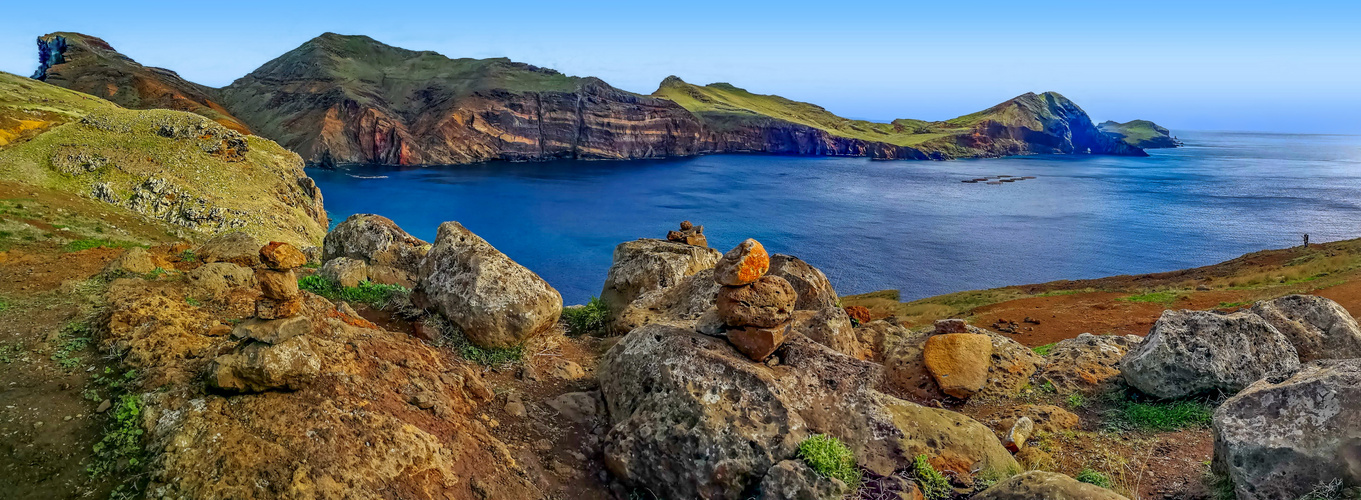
{"x": 1141, "y": 133}
{"x": 172, "y": 166}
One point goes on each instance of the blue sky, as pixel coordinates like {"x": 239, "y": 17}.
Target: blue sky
{"x": 1243, "y": 65}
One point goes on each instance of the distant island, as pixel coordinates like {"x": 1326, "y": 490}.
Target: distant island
{"x": 1141, "y": 134}
{"x": 350, "y": 99}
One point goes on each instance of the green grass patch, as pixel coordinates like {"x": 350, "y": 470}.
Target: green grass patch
{"x": 74, "y": 338}
{"x": 188, "y": 256}
{"x": 1044, "y": 350}
{"x": 933, "y": 484}
{"x": 367, "y": 292}
{"x": 587, "y": 319}
{"x": 1091, "y": 476}
{"x": 1227, "y": 305}
{"x": 1076, "y": 400}
{"x": 831, "y": 458}
{"x": 86, "y": 244}
{"x": 1165, "y": 416}
{"x": 1152, "y": 297}
{"x": 4, "y": 305}
{"x": 120, "y": 450}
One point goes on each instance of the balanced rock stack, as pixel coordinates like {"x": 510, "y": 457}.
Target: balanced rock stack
{"x": 280, "y": 297}
{"x": 275, "y": 352}
{"x": 689, "y": 234}
{"x": 757, "y": 309}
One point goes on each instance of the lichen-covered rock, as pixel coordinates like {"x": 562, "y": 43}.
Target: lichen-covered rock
{"x": 1035, "y": 485}
{"x": 694, "y": 418}
{"x": 958, "y": 362}
{"x": 1086, "y": 363}
{"x": 273, "y": 331}
{"x": 1020, "y": 432}
{"x": 860, "y": 315}
{"x": 258, "y": 366}
{"x": 815, "y": 291}
{"x": 278, "y": 285}
{"x": 1191, "y": 352}
{"x": 134, "y": 260}
{"x": 1280, "y": 437}
{"x": 765, "y": 303}
{"x": 235, "y": 247}
{"x": 495, "y": 301}
{"x": 1008, "y": 371}
{"x": 684, "y": 302}
{"x": 646, "y": 265}
{"x": 1318, "y": 328}
{"x": 744, "y": 264}
{"x": 380, "y": 243}
{"x": 345, "y": 271}
{"x": 282, "y": 256}
{"x": 795, "y": 480}
{"x": 831, "y": 327}
{"x": 1046, "y": 418}
{"x": 758, "y": 343}
{"x": 213, "y": 280}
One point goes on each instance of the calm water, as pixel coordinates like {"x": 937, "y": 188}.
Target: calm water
{"x": 873, "y": 225}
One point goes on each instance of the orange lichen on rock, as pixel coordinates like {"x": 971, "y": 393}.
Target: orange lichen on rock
{"x": 958, "y": 361}
{"x": 744, "y": 264}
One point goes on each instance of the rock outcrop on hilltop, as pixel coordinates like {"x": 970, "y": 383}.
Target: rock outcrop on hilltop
{"x": 1141, "y": 134}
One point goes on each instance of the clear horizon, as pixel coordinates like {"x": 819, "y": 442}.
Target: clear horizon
{"x": 1243, "y": 66}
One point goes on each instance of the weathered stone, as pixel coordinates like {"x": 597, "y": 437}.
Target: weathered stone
{"x": 881, "y": 335}
{"x": 710, "y": 324}
{"x": 958, "y": 361}
{"x": 951, "y": 326}
{"x": 258, "y": 367}
{"x": 516, "y": 409}
{"x": 563, "y": 369}
{"x": 647, "y": 265}
{"x": 236, "y": 247}
{"x": 579, "y": 407}
{"x": 689, "y": 234}
{"x": 278, "y": 309}
{"x": 213, "y": 280}
{"x": 1087, "y": 363}
{"x": 492, "y": 299}
{"x": 377, "y": 241}
{"x": 1036, "y": 485}
{"x": 345, "y": 271}
{"x": 695, "y": 418}
{"x": 388, "y": 275}
{"x": 815, "y": 291}
{"x": 278, "y": 285}
{"x": 756, "y": 342}
{"x": 1045, "y": 418}
{"x": 794, "y": 480}
{"x": 272, "y": 331}
{"x": 765, "y": 303}
{"x": 831, "y": 327}
{"x": 134, "y": 260}
{"x": 904, "y": 367}
{"x": 1280, "y": 437}
{"x": 681, "y": 303}
{"x": 282, "y": 256}
{"x": 1318, "y": 328}
{"x": 1191, "y": 352}
{"x": 1019, "y": 433}
{"x": 744, "y": 264}
{"x": 1008, "y": 370}
{"x": 860, "y": 315}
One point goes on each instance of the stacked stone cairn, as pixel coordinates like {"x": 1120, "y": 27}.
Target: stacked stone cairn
{"x": 689, "y": 234}
{"x": 274, "y": 353}
{"x": 756, "y": 309}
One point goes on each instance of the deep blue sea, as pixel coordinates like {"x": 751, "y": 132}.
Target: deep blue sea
{"x": 909, "y": 225}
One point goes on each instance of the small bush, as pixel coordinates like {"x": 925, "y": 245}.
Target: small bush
{"x": 1166, "y": 416}
{"x": 188, "y": 256}
{"x": 1044, "y": 350}
{"x": 933, "y": 484}
{"x": 78, "y": 245}
{"x": 1091, "y": 476}
{"x": 587, "y": 319}
{"x": 367, "y": 292}
{"x": 831, "y": 458}
{"x": 1076, "y": 400}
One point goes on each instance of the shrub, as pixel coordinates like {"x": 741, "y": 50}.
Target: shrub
{"x": 1044, "y": 350}
{"x": 1076, "y": 400}
{"x": 831, "y": 458}
{"x": 1091, "y": 476}
{"x": 1166, "y": 416}
{"x": 933, "y": 484}
{"x": 367, "y": 292}
{"x": 586, "y": 319}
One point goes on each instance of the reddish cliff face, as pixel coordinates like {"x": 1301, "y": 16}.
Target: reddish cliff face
{"x": 90, "y": 65}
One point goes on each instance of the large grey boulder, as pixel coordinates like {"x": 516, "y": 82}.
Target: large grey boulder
{"x": 1318, "y": 328}
{"x": 795, "y": 480}
{"x": 815, "y": 291}
{"x": 393, "y": 255}
{"x": 685, "y": 301}
{"x": 1192, "y": 352}
{"x": 646, "y": 265}
{"x": 693, "y": 418}
{"x": 492, "y": 299}
{"x": 1281, "y": 437}
{"x": 1037, "y": 485}
{"x": 259, "y": 366}
{"x": 345, "y": 271}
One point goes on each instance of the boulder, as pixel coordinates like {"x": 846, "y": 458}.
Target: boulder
{"x": 380, "y": 243}
{"x": 345, "y": 271}
{"x": 236, "y": 247}
{"x": 958, "y": 362}
{"x": 743, "y": 265}
{"x": 646, "y": 265}
{"x": 1318, "y": 328}
{"x": 1045, "y": 418}
{"x": 282, "y": 256}
{"x": 765, "y": 303}
{"x": 134, "y": 260}
{"x": 213, "y": 280}
{"x": 684, "y": 302}
{"x": 278, "y": 308}
{"x": 831, "y": 327}
{"x": 1009, "y": 367}
{"x": 272, "y": 331}
{"x": 1036, "y": 484}
{"x": 880, "y": 336}
{"x": 278, "y": 285}
{"x": 492, "y": 299}
{"x": 1012, "y": 365}
{"x": 1281, "y": 437}
{"x": 579, "y": 407}
{"x": 258, "y": 367}
{"x": 1192, "y": 352}
{"x": 904, "y": 367}
{"x": 815, "y": 291}
{"x": 694, "y": 418}
{"x": 758, "y": 343}
{"x": 795, "y": 480}
{"x": 1087, "y": 363}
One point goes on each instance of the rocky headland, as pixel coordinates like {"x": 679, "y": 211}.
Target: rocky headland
{"x": 1141, "y": 134}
